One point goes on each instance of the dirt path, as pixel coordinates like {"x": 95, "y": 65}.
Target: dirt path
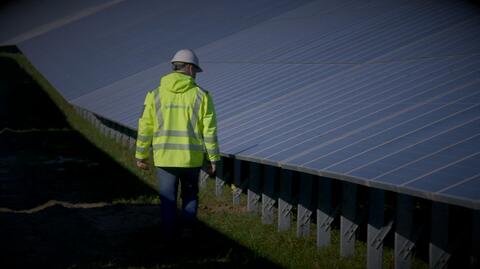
{"x": 54, "y": 203}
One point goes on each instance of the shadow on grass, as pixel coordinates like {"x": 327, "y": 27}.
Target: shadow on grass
{"x": 42, "y": 160}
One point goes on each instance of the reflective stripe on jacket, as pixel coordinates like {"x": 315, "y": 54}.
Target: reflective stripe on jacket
{"x": 179, "y": 123}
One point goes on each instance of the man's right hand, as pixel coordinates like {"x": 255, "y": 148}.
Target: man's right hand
{"x": 142, "y": 164}
{"x": 212, "y": 169}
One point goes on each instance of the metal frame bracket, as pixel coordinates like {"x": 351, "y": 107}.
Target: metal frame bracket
{"x": 326, "y": 225}
{"x": 268, "y": 204}
{"x": 354, "y": 226}
{"x": 286, "y": 210}
{"x": 380, "y": 236}
{"x": 305, "y": 218}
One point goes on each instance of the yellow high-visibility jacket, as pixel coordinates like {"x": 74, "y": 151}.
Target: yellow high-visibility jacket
{"x": 179, "y": 122}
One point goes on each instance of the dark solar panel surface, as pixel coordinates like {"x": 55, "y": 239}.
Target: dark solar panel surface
{"x": 132, "y": 36}
{"x": 24, "y": 19}
{"x": 380, "y": 93}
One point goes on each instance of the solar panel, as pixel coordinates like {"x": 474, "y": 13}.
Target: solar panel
{"x": 327, "y": 99}
{"x": 437, "y": 156}
{"x": 334, "y": 130}
{"x": 447, "y": 175}
{"x": 130, "y": 37}
{"x": 380, "y": 93}
{"x": 438, "y": 143}
{"x": 467, "y": 189}
{"x": 42, "y": 18}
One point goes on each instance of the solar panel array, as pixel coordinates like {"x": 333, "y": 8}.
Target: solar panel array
{"x": 380, "y": 93}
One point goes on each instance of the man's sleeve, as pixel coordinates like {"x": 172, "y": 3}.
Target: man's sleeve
{"x": 210, "y": 130}
{"x": 145, "y": 129}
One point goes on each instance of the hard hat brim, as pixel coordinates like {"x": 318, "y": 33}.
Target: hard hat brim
{"x": 199, "y": 69}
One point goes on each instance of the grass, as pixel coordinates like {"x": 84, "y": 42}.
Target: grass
{"x": 283, "y": 248}
{"x": 218, "y": 213}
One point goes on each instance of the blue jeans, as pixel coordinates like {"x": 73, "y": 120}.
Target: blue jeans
{"x": 168, "y": 179}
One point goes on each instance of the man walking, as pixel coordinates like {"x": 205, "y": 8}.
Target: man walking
{"x": 179, "y": 122}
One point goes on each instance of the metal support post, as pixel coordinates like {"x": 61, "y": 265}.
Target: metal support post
{"x": 219, "y": 179}
{"x": 475, "y": 255}
{"x": 404, "y": 242}
{"x": 108, "y": 132}
{"x": 285, "y": 201}
{"x": 268, "y": 200}
{"x": 98, "y": 123}
{"x": 124, "y": 140}
{"x": 121, "y": 139}
{"x": 376, "y": 231}
{"x": 202, "y": 179}
{"x": 113, "y": 134}
{"x": 118, "y": 135}
{"x": 438, "y": 247}
{"x": 304, "y": 209}
{"x": 121, "y": 135}
{"x": 325, "y": 213}
{"x": 237, "y": 181}
{"x": 132, "y": 143}
{"x": 348, "y": 224}
{"x": 254, "y": 190}
{"x": 103, "y": 130}
{"x": 88, "y": 116}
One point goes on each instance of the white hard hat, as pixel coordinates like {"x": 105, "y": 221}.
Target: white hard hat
{"x": 187, "y": 56}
